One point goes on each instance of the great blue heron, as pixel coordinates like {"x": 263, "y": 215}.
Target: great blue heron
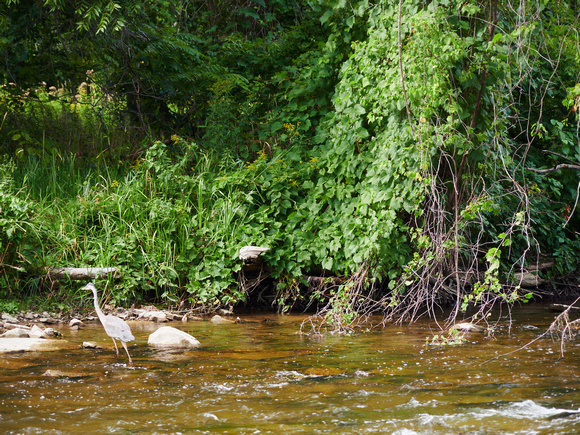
{"x": 115, "y": 327}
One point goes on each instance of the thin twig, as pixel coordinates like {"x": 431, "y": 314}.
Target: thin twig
{"x": 514, "y": 351}
{"x": 549, "y": 330}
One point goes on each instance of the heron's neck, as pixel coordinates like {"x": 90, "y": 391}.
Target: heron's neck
{"x": 97, "y": 308}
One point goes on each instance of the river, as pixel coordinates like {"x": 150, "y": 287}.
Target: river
{"x": 261, "y": 377}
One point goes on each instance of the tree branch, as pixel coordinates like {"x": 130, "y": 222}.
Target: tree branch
{"x": 558, "y": 155}
{"x": 555, "y": 168}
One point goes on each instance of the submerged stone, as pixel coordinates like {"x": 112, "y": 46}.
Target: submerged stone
{"x": 467, "y": 327}
{"x": 62, "y": 374}
{"x": 168, "y": 337}
{"x": 325, "y": 371}
{"x": 219, "y": 319}
{"x": 14, "y": 345}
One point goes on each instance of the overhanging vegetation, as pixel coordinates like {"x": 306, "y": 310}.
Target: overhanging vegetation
{"x": 399, "y": 150}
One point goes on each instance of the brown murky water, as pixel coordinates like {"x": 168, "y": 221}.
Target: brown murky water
{"x": 260, "y": 377}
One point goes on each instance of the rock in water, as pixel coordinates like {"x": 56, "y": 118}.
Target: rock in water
{"x": 60, "y": 374}
{"x": 219, "y": 319}
{"x": 15, "y": 345}
{"x": 158, "y": 317}
{"x": 52, "y": 332}
{"x": 168, "y": 337}
{"x": 91, "y": 345}
{"x": 75, "y": 322}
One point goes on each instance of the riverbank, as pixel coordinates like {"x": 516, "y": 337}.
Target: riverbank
{"x": 26, "y": 320}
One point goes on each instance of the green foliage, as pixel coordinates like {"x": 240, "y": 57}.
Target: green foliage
{"x": 17, "y": 238}
{"x": 15, "y": 215}
{"x": 451, "y": 338}
{"x": 9, "y": 306}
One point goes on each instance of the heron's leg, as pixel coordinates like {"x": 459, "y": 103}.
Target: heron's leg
{"x": 116, "y": 348}
{"x": 127, "y": 350}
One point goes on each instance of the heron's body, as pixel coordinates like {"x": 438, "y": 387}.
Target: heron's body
{"x": 115, "y": 327}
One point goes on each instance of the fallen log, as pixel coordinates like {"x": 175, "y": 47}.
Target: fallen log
{"x": 79, "y": 273}
{"x": 529, "y": 279}
{"x": 561, "y": 307}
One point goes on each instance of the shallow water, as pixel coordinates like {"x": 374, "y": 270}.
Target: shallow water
{"x": 260, "y": 377}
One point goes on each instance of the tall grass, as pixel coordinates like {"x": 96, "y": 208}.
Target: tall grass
{"x": 163, "y": 221}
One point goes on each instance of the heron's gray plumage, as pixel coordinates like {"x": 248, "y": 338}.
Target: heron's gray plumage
{"x": 115, "y": 327}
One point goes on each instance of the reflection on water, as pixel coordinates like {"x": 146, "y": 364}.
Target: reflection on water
{"x": 262, "y": 377}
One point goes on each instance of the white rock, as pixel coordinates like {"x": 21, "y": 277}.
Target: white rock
{"x": 168, "y": 337}
{"x": 152, "y": 315}
{"x": 223, "y": 312}
{"x": 8, "y": 318}
{"x": 251, "y": 252}
{"x": 36, "y": 332}
{"x": 52, "y": 332}
{"x": 15, "y": 333}
{"x": 15, "y": 326}
{"x": 91, "y": 345}
{"x": 467, "y": 327}
{"x": 75, "y": 322}
{"x": 158, "y": 316}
